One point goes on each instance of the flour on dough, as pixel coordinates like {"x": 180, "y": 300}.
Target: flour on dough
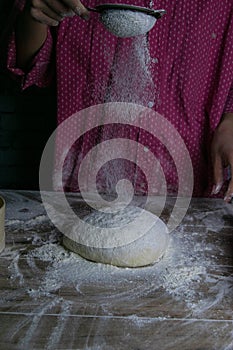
{"x": 145, "y": 250}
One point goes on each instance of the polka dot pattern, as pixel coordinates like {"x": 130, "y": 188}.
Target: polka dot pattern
{"x": 192, "y": 67}
{"x": 42, "y": 68}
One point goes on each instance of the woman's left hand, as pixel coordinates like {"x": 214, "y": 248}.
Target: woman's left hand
{"x": 222, "y": 154}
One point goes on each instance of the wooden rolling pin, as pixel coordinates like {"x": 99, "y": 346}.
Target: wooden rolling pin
{"x": 2, "y": 221}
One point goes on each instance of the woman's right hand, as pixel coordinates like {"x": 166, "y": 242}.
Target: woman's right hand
{"x": 51, "y": 12}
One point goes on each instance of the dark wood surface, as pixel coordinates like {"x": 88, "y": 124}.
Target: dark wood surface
{"x": 52, "y": 299}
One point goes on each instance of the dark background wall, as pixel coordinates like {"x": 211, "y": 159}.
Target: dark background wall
{"x": 26, "y": 121}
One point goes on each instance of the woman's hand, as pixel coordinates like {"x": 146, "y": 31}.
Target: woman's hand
{"x": 222, "y": 154}
{"x": 51, "y": 12}
{"x": 32, "y": 25}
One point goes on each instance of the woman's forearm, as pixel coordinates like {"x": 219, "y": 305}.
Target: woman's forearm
{"x": 30, "y": 37}
{"x": 32, "y": 26}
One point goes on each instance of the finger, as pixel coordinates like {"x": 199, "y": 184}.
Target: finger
{"x": 218, "y": 174}
{"x": 77, "y": 7}
{"x": 52, "y": 9}
{"x": 229, "y": 194}
{"x": 59, "y": 8}
{"x": 41, "y": 17}
{"x": 39, "y": 7}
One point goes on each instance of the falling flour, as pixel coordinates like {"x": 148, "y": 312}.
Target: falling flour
{"x": 131, "y": 76}
{"x": 131, "y": 81}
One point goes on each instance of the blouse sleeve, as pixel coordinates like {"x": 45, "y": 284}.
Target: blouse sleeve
{"x": 41, "y": 68}
{"x": 229, "y": 103}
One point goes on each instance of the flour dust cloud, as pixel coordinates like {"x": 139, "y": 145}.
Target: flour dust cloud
{"x": 131, "y": 78}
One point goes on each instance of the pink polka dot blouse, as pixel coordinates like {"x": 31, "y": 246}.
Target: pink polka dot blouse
{"x": 191, "y": 50}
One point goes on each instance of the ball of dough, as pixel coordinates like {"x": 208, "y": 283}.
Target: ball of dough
{"x": 145, "y": 250}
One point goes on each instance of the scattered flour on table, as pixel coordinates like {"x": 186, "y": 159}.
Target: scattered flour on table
{"x": 37, "y": 220}
{"x": 50, "y": 252}
{"x": 211, "y": 220}
{"x": 179, "y": 273}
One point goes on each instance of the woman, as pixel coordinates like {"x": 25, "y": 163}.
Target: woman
{"x": 191, "y": 65}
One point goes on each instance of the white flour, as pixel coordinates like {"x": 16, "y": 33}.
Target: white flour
{"x": 131, "y": 79}
{"x": 179, "y": 274}
{"x": 188, "y": 283}
{"x": 186, "y": 264}
{"x": 126, "y": 23}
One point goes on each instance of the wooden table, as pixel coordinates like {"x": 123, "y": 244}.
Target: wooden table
{"x": 52, "y": 299}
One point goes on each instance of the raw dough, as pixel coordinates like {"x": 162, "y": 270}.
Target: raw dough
{"x": 145, "y": 250}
